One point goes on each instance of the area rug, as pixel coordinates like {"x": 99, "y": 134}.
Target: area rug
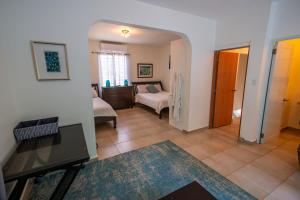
{"x": 148, "y": 173}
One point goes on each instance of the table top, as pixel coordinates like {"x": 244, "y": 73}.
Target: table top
{"x": 192, "y": 191}
{"x": 49, "y": 153}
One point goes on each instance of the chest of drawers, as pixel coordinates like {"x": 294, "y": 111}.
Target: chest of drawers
{"x": 118, "y": 97}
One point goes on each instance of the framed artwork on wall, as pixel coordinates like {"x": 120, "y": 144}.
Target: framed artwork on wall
{"x": 145, "y": 70}
{"x": 50, "y": 60}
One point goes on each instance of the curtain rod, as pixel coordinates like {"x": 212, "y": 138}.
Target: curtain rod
{"x": 104, "y": 52}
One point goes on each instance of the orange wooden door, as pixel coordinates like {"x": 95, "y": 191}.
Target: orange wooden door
{"x": 225, "y": 88}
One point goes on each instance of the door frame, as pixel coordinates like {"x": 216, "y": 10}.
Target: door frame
{"x": 274, "y": 46}
{"x": 214, "y": 83}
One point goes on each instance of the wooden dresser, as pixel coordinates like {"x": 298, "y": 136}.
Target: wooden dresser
{"x": 118, "y": 97}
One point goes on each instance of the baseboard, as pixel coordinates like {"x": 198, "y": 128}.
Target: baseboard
{"x": 195, "y": 130}
{"x": 242, "y": 140}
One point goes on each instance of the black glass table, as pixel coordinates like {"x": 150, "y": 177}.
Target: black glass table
{"x": 32, "y": 158}
{"x": 192, "y": 191}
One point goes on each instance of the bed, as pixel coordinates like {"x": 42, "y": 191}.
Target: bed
{"x": 157, "y": 101}
{"x": 103, "y": 112}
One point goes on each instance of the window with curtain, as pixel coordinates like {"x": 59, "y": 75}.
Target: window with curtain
{"x": 113, "y": 67}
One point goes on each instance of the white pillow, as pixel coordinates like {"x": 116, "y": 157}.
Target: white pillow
{"x": 142, "y": 88}
{"x": 95, "y": 93}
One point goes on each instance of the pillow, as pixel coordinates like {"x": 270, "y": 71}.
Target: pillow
{"x": 95, "y": 93}
{"x": 152, "y": 89}
{"x": 142, "y": 88}
{"x": 158, "y": 87}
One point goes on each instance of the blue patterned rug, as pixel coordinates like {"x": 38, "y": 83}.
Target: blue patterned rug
{"x": 148, "y": 173}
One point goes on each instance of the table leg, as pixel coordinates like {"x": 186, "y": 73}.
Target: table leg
{"x": 66, "y": 181}
{"x": 18, "y": 190}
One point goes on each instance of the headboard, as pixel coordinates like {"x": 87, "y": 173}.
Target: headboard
{"x": 96, "y": 87}
{"x": 134, "y": 84}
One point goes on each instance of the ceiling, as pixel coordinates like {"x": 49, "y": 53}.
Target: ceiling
{"x": 112, "y": 32}
{"x": 213, "y": 9}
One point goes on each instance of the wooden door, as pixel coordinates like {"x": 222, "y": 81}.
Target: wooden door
{"x": 225, "y": 88}
{"x": 276, "y": 99}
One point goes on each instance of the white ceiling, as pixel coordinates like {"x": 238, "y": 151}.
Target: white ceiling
{"x": 112, "y": 32}
{"x": 213, "y": 9}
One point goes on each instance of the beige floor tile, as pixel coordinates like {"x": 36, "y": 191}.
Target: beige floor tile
{"x": 120, "y": 138}
{"x": 181, "y": 142}
{"x": 294, "y": 179}
{"x": 271, "y": 197}
{"x": 224, "y": 163}
{"x": 107, "y": 152}
{"x": 286, "y": 155}
{"x": 290, "y": 145}
{"x": 104, "y": 142}
{"x": 242, "y": 154}
{"x": 259, "y": 177}
{"x": 274, "y": 166}
{"x": 219, "y": 144}
{"x": 126, "y": 146}
{"x": 248, "y": 185}
{"x": 286, "y": 191}
{"x": 256, "y": 148}
{"x": 197, "y": 151}
{"x": 216, "y": 166}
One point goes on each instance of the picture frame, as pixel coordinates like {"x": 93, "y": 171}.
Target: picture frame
{"x": 50, "y": 60}
{"x": 145, "y": 70}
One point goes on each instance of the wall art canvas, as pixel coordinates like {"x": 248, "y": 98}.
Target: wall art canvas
{"x": 145, "y": 70}
{"x": 50, "y": 61}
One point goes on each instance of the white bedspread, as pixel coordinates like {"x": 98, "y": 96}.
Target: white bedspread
{"x": 157, "y": 101}
{"x": 101, "y": 108}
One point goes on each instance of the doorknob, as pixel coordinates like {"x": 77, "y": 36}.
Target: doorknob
{"x": 233, "y": 90}
{"x": 285, "y": 100}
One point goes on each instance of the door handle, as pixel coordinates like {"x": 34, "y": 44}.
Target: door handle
{"x": 285, "y": 100}
{"x": 233, "y": 90}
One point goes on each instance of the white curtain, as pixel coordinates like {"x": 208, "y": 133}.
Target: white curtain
{"x": 113, "y": 67}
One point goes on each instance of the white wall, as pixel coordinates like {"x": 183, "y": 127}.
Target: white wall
{"x": 93, "y": 60}
{"x": 157, "y": 55}
{"x": 8, "y": 113}
{"x": 286, "y": 19}
{"x": 179, "y": 65}
{"x": 243, "y": 27}
{"x": 22, "y": 22}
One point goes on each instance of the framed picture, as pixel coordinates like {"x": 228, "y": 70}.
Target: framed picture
{"x": 50, "y": 61}
{"x": 145, "y": 70}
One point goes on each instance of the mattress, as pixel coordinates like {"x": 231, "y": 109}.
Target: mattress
{"x": 157, "y": 101}
{"x": 102, "y": 109}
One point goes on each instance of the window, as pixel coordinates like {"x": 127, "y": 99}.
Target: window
{"x": 113, "y": 67}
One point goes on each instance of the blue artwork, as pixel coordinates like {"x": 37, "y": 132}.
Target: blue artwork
{"x": 52, "y": 61}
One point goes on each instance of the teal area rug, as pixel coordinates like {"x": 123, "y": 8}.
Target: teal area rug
{"x": 148, "y": 173}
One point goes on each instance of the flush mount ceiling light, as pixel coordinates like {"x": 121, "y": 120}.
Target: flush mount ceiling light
{"x": 125, "y": 33}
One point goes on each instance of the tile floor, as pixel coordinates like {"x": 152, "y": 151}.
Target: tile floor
{"x": 267, "y": 171}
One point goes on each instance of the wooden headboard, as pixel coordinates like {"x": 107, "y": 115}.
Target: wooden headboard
{"x": 134, "y": 84}
{"x": 96, "y": 87}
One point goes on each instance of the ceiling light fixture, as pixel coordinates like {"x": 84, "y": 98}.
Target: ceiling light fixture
{"x": 125, "y": 33}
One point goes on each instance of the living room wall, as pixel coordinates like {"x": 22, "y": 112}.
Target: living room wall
{"x": 69, "y": 24}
